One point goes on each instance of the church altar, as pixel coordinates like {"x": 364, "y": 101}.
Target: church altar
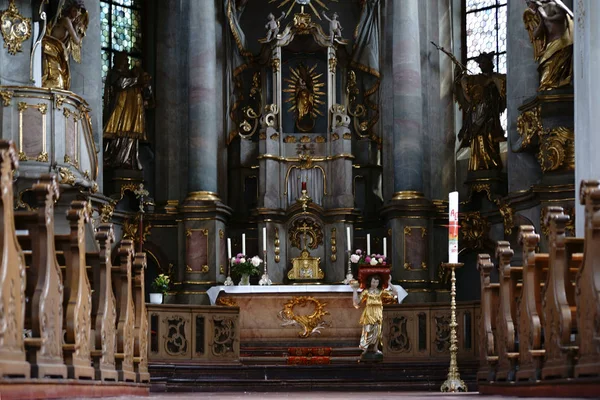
{"x": 294, "y": 314}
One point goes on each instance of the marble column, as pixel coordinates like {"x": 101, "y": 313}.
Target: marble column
{"x": 586, "y": 56}
{"x": 202, "y": 86}
{"x": 203, "y": 230}
{"x": 408, "y": 212}
{"x": 408, "y": 111}
{"x": 171, "y": 89}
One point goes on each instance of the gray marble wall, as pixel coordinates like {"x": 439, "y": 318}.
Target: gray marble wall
{"x": 587, "y": 99}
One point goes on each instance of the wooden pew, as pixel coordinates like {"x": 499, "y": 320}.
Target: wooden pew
{"x": 44, "y": 310}
{"x": 104, "y": 313}
{"x": 140, "y": 344}
{"x": 12, "y": 272}
{"x": 506, "y": 324}
{"x": 488, "y": 356}
{"x": 559, "y": 314}
{"x": 78, "y": 302}
{"x": 530, "y": 321}
{"x": 588, "y": 285}
{"x": 122, "y": 285}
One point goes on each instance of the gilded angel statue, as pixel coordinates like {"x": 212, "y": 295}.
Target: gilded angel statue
{"x": 65, "y": 34}
{"x": 550, "y": 27}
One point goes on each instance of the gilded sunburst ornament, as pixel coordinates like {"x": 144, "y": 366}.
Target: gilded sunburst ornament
{"x": 312, "y": 4}
{"x": 305, "y": 94}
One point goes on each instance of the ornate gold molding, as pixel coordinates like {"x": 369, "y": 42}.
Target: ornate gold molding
{"x": 507, "y": 216}
{"x": 106, "y": 212}
{"x": 557, "y": 149}
{"x": 529, "y": 125}
{"x": 332, "y": 64}
{"x": 275, "y": 64}
{"x": 202, "y": 196}
{"x": 474, "y": 230}
{"x": 227, "y": 302}
{"x": 333, "y": 256}
{"x": 15, "y": 28}
{"x": 308, "y": 227}
{"x": 6, "y": 97}
{"x": 312, "y": 323}
{"x": 276, "y": 244}
{"x": 407, "y": 195}
{"x": 66, "y": 176}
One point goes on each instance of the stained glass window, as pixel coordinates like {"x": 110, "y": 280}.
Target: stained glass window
{"x": 121, "y": 26}
{"x": 485, "y": 32}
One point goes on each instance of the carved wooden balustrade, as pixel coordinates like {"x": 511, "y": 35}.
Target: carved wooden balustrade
{"x": 58, "y": 304}
{"x": 45, "y": 286}
{"x": 488, "y": 356}
{"x": 506, "y": 318}
{"x": 547, "y": 328}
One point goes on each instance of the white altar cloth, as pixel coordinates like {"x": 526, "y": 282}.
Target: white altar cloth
{"x": 214, "y": 291}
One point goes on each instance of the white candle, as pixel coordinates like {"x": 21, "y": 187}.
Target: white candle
{"x": 368, "y": 244}
{"x": 348, "y": 238}
{"x": 453, "y": 227}
{"x": 385, "y": 247}
{"x": 244, "y": 244}
{"x": 265, "y": 238}
{"x": 229, "y": 248}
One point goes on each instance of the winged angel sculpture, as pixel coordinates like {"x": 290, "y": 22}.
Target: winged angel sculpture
{"x": 67, "y": 27}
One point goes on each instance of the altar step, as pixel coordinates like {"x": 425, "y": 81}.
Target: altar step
{"x": 299, "y": 355}
{"x": 333, "y": 377}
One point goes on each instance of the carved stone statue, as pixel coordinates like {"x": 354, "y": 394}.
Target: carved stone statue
{"x": 127, "y": 93}
{"x": 483, "y": 98}
{"x": 550, "y": 27}
{"x": 335, "y": 27}
{"x": 272, "y": 26}
{"x": 66, "y": 32}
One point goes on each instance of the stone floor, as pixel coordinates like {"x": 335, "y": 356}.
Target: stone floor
{"x": 318, "y": 395}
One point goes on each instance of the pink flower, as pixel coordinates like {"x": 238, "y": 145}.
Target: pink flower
{"x": 240, "y": 255}
{"x": 237, "y": 260}
{"x": 359, "y": 252}
{"x": 383, "y": 263}
{"x": 367, "y": 259}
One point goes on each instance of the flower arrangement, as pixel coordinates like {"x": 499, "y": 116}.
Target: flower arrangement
{"x": 243, "y": 265}
{"x": 161, "y": 283}
{"x": 362, "y": 258}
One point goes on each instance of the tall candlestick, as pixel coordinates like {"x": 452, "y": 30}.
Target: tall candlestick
{"x": 348, "y": 238}
{"x": 229, "y": 248}
{"x": 368, "y": 244}
{"x": 264, "y": 238}
{"x": 453, "y": 228}
{"x": 385, "y": 247}
{"x": 244, "y": 244}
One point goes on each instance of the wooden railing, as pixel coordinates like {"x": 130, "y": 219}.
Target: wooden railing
{"x": 540, "y": 320}
{"x": 65, "y": 313}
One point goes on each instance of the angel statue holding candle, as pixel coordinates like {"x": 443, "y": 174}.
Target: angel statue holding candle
{"x": 374, "y": 296}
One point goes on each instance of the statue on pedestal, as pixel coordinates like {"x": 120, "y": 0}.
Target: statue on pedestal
{"x": 550, "y": 27}
{"x": 127, "y": 93}
{"x": 372, "y": 316}
{"x": 67, "y": 30}
{"x": 335, "y": 27}
{"x": 272, "y": 27}
{"x": 483, "y": 99}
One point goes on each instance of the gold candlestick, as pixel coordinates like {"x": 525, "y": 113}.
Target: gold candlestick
{"x": 453, "y": 383}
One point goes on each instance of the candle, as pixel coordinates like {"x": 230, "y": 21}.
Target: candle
{"x": 303, "y": 185}
{"x": 264, "y": 238}
{"x": 368, "y": 244}
{"x": 348, "y": 238}
{"x": 385, "y": 247}
{"x": 229, "y": 248}
{"x": 244, "y": 244}
{"x": 453, "y": 228}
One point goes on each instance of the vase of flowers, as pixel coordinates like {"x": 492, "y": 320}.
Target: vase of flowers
{"x": 245, "y": 267}
{"x": 160, "y": 285}
{"x": 374, "y": 260}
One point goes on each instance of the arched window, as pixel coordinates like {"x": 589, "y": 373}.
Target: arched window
{"x": 121, "y": 26}
{"x": 485, "y": 32}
